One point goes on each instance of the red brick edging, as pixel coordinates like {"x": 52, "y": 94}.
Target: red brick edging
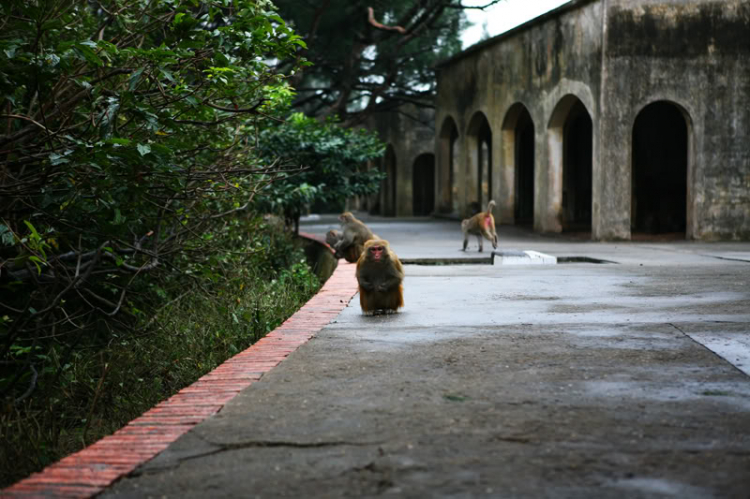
{"x": 94, "y": 468}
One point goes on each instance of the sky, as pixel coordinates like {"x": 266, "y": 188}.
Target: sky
{"x": 503, "y": 16}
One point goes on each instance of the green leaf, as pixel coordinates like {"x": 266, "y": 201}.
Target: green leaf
{"x": 37, "y": 261}
{"x": 57, "y": 159}
{"x": 86, "y": 52}
{"x": 167, "y": 75}
{"x": 118, "y": 141}
{"x": 119, "y": 219}
{"x": 134, "y": 78}
{"x": 31, "y": 227}
{"x": 144, "y": 149}
{"x": 455, "y": 398}
{"x": 6, "y": 236}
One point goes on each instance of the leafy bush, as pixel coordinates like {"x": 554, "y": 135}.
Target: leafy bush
{"x": 325, "y": 159}
{"x": 125, "y": 151}
{"x": 103, "y": 382}
{"x": 127, "y": 166}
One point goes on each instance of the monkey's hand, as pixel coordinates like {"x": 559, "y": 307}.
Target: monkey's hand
{"x": 366, "y": 285}
{"x": 389, "y": 283}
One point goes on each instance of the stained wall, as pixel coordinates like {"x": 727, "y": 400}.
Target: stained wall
{"x": 609, "y": 60}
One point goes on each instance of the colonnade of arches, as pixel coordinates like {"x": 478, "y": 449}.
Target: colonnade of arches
{"x": 659, "y": 152}
{"x": 423, "y": 184}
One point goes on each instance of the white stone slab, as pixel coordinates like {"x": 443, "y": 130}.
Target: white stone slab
{"x": 527, "y": 257}
{"x": 733, "y": 346}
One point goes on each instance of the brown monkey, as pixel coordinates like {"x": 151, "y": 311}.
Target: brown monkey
{"x": 380, "y": 276}
{"x": 353, "y": 236}
{"x": 332, "y": 238}
{"x": 481, "y": 225}
{"x": 352, "y": 253}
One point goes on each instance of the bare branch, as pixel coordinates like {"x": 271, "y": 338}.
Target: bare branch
{"x": 373, "y": 22}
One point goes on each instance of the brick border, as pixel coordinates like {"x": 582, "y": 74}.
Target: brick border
{"x": 91, "y": 470}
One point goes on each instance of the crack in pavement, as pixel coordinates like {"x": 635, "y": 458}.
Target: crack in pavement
{"x": 255, "y": 444}
{"x": 296, "y": 445}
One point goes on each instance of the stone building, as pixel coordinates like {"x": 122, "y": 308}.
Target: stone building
{"x": 617, "y": 117}
{"x": 409, "y": 161}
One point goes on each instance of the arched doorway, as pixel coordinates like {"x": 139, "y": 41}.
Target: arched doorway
{"x": 388, "y": 187}
{"x": 517, "y": 198}
{"x": 660, "y": 170}
{"x": 523, "y": 209}
{"x": 577, "y": 169}
{"x": 480, "y": 154}
{"x": 423, "y": 185}
{"x": 448, "y": 167}
{"x": 570, "y": 142}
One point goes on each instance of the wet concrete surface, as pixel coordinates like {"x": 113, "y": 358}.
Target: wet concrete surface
{"x": 571, "y": 380}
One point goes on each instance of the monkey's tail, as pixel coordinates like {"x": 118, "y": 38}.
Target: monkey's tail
{"x": 490, "y": 205}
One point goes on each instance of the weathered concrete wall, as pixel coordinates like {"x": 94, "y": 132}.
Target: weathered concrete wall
{"x": 695, "y": 54}
{"x": 615, "y": 57}
{"x": 409, "y": 130}
{"x": 535, "y": 66}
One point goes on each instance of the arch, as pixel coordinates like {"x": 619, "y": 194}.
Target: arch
{"x": 388, "y": 186}
{"x": 448, "y": 173}
{"x": 578, "y": 140}
{"x": 570, "y": 141}
{"x": 479, "y": 143}
{"x": 423, "y": 185}
{"x": 661, "y": 162}
{"x": 518, "y": 171}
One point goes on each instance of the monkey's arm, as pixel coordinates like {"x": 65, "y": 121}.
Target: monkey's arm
{"x": 389, "y": 283}
{"x": 366, "y": 284}
{"x": 347, "y": 239}
{"x": 391, "y": 279}
{"x": 364, "y": 278}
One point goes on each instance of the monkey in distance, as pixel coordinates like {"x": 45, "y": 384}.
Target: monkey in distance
{"x": 380, "y": 276}
{"x": 348, "y": 244}
{"x": 481, "y": 225}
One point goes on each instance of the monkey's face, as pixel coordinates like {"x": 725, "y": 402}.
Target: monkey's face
{"x": 376, "y": 253}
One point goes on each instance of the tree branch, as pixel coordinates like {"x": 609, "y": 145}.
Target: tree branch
{"x": 373, "y": 22}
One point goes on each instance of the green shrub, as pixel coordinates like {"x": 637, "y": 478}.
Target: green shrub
{"x": 125, "y": 161}
{"x": 326, "y": 161}
{"x": 90, "y": 389}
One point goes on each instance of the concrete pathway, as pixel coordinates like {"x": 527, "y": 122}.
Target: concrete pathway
{"x": 572, "y": 380}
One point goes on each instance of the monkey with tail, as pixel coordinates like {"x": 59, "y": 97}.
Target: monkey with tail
{"x": 481, "y": 225}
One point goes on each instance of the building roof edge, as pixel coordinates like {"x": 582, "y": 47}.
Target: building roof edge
{"x": 572, "y": 5}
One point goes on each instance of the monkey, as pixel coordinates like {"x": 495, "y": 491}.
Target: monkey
{"x": 380, "y": 276}
{"x": 481, "y": 225}
{"x": 352, "y": 238}
{"x": 351, "y": 255}
{"x": 332, "y": 238}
